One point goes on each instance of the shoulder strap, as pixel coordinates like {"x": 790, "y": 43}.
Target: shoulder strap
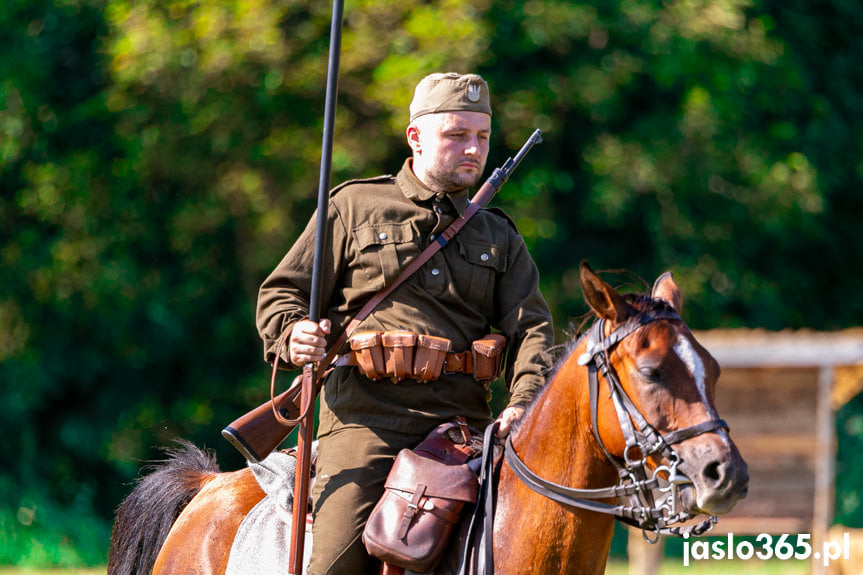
{"x": 480, "y": 199}
{"x": 372, "y": 180}
{"x": 370, "y": 305}
{"x": 408, "y": 271}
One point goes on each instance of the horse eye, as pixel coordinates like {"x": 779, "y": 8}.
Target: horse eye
{"x": 650, "y": 373}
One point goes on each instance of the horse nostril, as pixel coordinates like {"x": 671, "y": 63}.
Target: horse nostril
{"x": 712, "y": 472}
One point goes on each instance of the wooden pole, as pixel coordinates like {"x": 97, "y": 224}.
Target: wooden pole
{"x": 825, "y": 454}
{"x": 305, "y": 434}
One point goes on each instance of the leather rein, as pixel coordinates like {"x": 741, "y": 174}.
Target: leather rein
{"x": 652, "y": 494}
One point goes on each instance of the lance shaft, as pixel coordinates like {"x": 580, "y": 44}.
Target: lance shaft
{"x": 305, "y": 434}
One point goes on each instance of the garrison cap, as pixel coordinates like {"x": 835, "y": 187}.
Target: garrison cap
{"x": 450, "y": 92}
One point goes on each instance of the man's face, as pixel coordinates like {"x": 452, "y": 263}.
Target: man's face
{"x": 450, "y": 149}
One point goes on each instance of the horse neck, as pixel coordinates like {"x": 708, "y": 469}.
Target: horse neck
{"x": 555, "y": 441}
{"x": 556, "y": 434}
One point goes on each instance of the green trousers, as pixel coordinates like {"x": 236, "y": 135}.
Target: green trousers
{"x": 352, "y": 467}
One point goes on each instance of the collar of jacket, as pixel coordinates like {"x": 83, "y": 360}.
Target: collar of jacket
{"x": 416, "y": 191}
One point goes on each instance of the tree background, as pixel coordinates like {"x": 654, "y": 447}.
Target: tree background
{"x": 157, "y": 157}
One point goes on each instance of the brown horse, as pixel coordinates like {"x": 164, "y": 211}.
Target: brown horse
{"x": 627, "y": 416}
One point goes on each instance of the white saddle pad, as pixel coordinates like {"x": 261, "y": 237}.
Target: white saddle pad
{"x": 262, "y": 542}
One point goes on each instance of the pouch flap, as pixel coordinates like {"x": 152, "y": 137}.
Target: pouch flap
{"x": 399, "y": 338}
{"x": 434, "y": 342}
{"x": 383, "y": 234}
{"x": 455, "y": 482}
{"x": 365, "y": 340}
{"x": 483, "y": 254}
{"x": 490, "y": 345}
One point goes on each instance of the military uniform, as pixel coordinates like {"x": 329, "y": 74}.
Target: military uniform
{"x": 483, "y": 278}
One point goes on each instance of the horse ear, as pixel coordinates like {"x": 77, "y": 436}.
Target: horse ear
{"x": 665, "y": 288}
{"x": 601, "y": 297}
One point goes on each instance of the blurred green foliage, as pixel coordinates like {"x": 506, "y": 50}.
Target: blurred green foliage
{"x": 849, "y": 464}
{"x": 157, "y": 157}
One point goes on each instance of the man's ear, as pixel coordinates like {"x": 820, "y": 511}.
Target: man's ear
{"x": 413, "y": 137}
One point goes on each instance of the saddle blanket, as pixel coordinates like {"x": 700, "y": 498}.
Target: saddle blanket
{"x": 262, "y": 543}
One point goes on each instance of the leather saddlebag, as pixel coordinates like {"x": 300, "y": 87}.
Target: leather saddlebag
{"x": 411, "y": 524}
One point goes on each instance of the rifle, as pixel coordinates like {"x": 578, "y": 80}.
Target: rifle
{"x": 259, "y": 432}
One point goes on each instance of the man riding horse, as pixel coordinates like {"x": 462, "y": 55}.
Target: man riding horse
{"x": 482, "y": 280}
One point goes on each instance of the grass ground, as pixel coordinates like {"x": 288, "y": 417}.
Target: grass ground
{"x": 675, "y": 567}
{"x": 32, "y": 571}
{"x": 669, "y": 567}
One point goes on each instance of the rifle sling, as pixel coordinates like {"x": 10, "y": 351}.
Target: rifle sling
{"x": 332, "y": 353}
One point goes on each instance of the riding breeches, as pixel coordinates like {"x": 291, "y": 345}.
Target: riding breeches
{"x": 352, "y": 467}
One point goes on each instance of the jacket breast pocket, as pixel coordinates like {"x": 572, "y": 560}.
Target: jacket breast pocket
{"x": 484, "y": 260}
{"x": 383, "y": 250}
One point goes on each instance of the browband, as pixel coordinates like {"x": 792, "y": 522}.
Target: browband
{"x": 615, "y": 337}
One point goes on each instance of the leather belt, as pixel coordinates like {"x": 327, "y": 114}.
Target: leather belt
{"x": 454, "y": 362}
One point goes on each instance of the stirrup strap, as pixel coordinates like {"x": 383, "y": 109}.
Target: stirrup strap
{"x": 478, "y": 554}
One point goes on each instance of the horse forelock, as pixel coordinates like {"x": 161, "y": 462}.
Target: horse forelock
{"x": 644, "y": 303}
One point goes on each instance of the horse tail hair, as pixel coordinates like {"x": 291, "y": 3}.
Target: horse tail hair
{"x": 145, "y": 517}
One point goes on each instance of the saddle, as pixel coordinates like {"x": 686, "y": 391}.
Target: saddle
{"x": 440, "y": 534}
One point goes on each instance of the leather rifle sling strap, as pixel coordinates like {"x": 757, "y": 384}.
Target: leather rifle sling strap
{"x": 331, "y": 355}
{"x": 480, "y": 199}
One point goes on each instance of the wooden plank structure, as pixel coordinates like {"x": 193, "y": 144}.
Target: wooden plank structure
{"x": 779, "y": 392}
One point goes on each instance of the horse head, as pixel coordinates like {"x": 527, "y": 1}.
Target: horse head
{"x": 667, "y": 382}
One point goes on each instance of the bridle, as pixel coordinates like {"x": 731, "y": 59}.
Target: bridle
{"x": 651, "y": 495}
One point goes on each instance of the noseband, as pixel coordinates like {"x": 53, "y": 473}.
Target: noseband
{"x": 652, "y": 499}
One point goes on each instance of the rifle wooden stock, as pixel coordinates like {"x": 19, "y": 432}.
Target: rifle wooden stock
{"x": 257, "y": 433}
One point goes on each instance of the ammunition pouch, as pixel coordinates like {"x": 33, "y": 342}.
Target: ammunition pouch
{"x": 400, "y": 355}
{"x": 369, "y": 354}
{"x": 487, "y": 355}
{"x": 430, "y": 357}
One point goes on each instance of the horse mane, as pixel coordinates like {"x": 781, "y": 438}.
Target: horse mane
{"x": 145, "y": 517}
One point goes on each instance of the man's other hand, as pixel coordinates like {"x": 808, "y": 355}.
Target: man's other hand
{"x": 507, "y": 417}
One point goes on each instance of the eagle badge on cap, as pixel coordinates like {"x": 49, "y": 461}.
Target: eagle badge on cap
{"x": 473, "y": 92}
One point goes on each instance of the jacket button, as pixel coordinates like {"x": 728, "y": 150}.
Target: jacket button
{"x": 435, "y": 272}
{"x": 484, "y": 257}
{"x": 382, "y": 235}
